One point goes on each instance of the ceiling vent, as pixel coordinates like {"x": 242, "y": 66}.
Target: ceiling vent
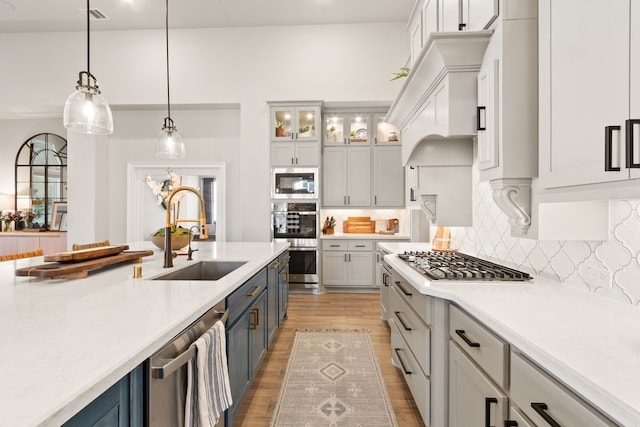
{"x": 95, "y": 14}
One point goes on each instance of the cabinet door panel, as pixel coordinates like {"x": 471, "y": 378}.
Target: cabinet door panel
{"x": 469, "y": 390}
{"x": 334, "y": 268}
{"x": 360, "y": 271}
{"x": 488, "y": 96}
{"x": 282, "y": 154}
{"x": 480, "y": 14}
{"x": 334, "y": 176}
{"x": 359, "y": 176}
{"x": 585, "y": 77}
{"x": 258, "y": 335}
{"x": 388, "y": 177}
{"x": 634, "y": 91}
{"x": 307, "y": 154}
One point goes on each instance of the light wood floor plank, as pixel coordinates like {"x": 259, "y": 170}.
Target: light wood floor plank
{"x": 340, "y": 311}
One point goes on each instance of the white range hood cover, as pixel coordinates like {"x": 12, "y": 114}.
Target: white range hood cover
{"x": 450, "y": 58}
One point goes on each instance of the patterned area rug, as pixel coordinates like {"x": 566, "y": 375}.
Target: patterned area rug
{"x": 333, "y": 379}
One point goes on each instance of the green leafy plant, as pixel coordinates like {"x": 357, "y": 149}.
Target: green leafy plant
{"x": 178, "y": 231}
{"x": 404, "y": 72}
{"x": 279, "y": 125}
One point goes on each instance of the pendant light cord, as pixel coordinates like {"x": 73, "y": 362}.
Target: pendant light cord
{"x": 88, "y": 39}
{"x": 167, "y": 40}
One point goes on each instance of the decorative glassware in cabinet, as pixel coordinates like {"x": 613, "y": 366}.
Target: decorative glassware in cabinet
{"x": 386, "y": 133}
{"x": 334, "y": 129}
{"x": 359, "y": 129}
{"x": 306, "y": 124}
{"x": 282, "y": 123}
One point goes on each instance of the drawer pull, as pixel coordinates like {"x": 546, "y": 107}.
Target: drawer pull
{"x": 274, "y": 265}
{"x": 404, "y": 368}
{"x": 510, "y": 423}
{"x": 404, "y": 291}
{"x": 404, "y": 325}
{"x": 359, "y": 246}
{"x": 487, "y": 410}
{"x": 608, "y": 149}
{"x": 541, "y": 409}
{"x": 334, "y": 246}
{"x": 461, "y": 334}
{"x": 254, "y": 292}
{"x": 255, "y": 313}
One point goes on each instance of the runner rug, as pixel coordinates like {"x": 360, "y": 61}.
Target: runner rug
{"x": 333, "y": 380}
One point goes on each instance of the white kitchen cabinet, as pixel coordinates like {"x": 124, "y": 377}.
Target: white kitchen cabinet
{"x": 348, "y": 263}
{"x": 589, "y": 92}
{"x": 346, "y": 176}
{"x": 473, "y": 399}
{"x": 388, "y": 177}
{"x": 295, "y": 121}
{"x": 545, "y": 401}
{"x": 24, "y": 241}
{"x": 295, "y": 154}
{"x": 386, "y": 133}
{"x": 468, "y": 15}
{"x": 347, "y": 128}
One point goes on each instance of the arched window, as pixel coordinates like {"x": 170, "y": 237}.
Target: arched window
{"x": 41, "y": 176}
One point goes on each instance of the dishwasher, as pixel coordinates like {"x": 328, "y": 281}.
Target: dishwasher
{"x": 167, "y": 372}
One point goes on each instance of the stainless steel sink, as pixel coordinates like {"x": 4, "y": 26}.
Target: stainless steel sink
{"x": 203, "y": 270}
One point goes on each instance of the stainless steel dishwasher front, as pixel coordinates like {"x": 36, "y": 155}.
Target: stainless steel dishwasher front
{"x": 167, "y": 372}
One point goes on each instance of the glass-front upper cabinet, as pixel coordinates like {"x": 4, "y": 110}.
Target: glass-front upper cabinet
{"x": 351, "y": 128}
{"x": 41, "y": 176}
{"x": 386, "y": 133}
{"x": 300, "y": 123}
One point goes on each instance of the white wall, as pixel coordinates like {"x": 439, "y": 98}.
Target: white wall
{"x": 242, "y": 66}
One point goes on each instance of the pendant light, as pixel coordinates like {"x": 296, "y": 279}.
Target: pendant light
{"x": 86, "y": 110}
{"x": 169, "y": 144}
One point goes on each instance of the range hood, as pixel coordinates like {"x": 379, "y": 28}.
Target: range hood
{"x": 439, "y": 97}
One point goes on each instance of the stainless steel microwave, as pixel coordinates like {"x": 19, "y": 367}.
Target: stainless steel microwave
{"x": 294, "y": 183}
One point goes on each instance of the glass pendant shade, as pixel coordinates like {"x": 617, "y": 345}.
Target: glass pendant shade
{"x": 87, "y": 111}
{"x": 169, "y": 144}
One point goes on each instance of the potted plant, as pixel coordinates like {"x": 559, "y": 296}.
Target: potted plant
{"x": 279, "y": 128}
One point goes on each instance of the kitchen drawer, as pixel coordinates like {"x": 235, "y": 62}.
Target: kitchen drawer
{"x": 418, "y": 383}
{"x": 360, "y": 245}
{"x": 334, "y": 245}
{"x": 420, "y": 303}
{"x": 245, "y": 295}
{"x": 532, "y": 387}
{"x": 412, "y": 329}
{"x": 485, "y": 348}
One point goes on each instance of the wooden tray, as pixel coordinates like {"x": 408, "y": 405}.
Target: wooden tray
{"x": 86, "y": 254}
{"x": 79, "y": 270}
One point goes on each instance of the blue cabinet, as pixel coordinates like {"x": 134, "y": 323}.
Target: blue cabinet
{"x": 122, "y": 405}
{"x": 273, "y": 291}
{"x": 283, "y": 285}
{"x": 247, "y": 336}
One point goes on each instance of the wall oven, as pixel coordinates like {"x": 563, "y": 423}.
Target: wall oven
{"x": 294, "y": 183}
{"x": 298, "y": 224}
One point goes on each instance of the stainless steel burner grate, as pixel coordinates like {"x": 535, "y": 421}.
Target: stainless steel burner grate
{"x": 441, "y": 265}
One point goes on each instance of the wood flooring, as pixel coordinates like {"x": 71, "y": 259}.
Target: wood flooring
{"x": 340, "y": 311}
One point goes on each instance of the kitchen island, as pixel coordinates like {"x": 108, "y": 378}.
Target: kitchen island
{"x": 588, "y": 343}
{"x": 67, "y": 341}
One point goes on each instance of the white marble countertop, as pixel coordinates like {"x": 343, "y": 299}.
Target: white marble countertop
{"x": 64, "y": 342}
{"x": 363, "y": 236}
{"x": 590, "y": 343}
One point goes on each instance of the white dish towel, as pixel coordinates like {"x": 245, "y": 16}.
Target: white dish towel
{"x": 208, "y": 389}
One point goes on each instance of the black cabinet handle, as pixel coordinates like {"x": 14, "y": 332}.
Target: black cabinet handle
{"x": 629, "y": 124}
{"x": 404, "y": 291}
{"x": 385, "y": 276}
{"x": 479, "y": 125}
{"x": 608, "y": 148}
{"x": 541, "y": 409}
{"x": 461, "y": 334}
{"x": 487, "y": 410}
{"x": 406, "y": 371}
{"x": 404, "y": 325}
{"x": 510, "y": 423}
{"x": 412, "y": 194}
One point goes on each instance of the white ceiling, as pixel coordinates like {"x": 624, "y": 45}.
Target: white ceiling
{"x": 69, "y": 15}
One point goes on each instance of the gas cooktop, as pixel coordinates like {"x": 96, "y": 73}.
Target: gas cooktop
{"x": 443, "y": 265}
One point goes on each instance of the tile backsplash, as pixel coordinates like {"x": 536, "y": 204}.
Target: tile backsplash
{"x": 606, "y": 268}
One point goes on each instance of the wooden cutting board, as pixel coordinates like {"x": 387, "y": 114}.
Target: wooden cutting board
{"x": 359, "y": 224}
{"x": 86, "y": 254}
{"x": 79, "y": 270}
